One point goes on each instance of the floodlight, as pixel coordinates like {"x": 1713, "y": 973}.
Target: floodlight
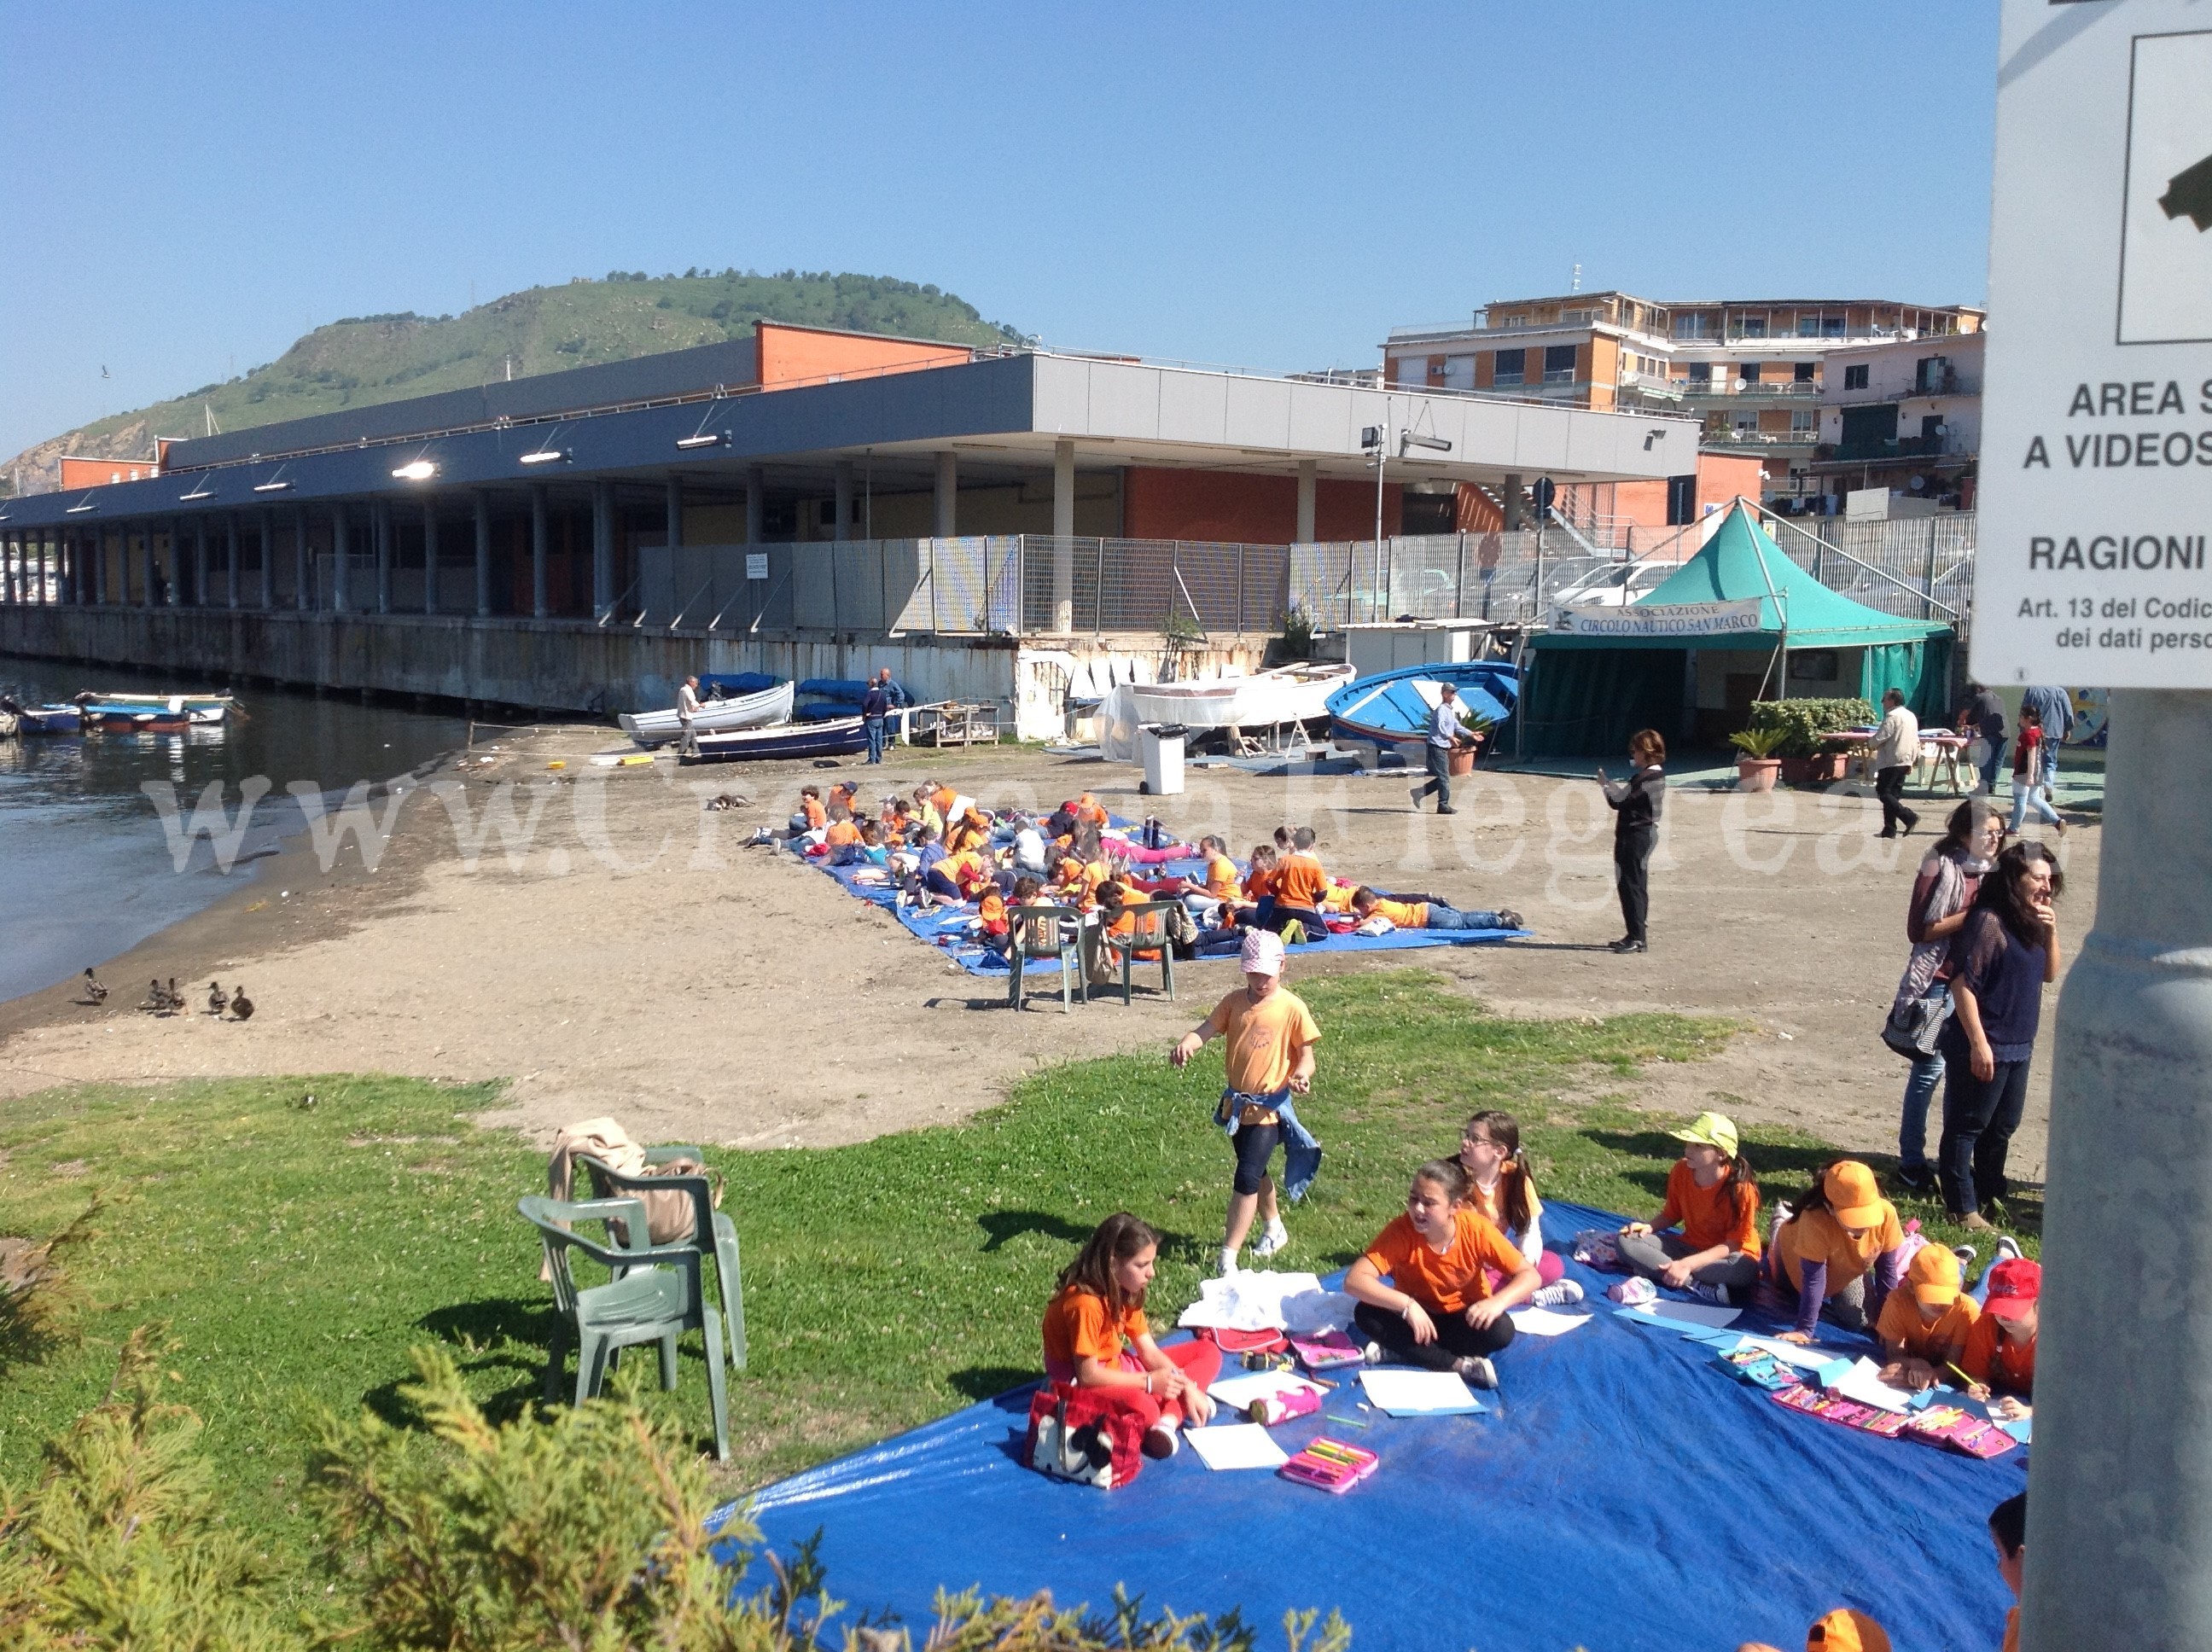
{"x": 421, "y": 470}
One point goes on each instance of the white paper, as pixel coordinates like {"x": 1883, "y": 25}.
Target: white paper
{"x": 1241, "y": 1390}
{"x": 1247, "y": 1302}
{"x": 1418, "y": 1393}
{"x": 1236, "y": 1445}
{"x": 1692, "y": 1313}
{"x": 1545, "y": 1321}
{"x": 1864, "y": 1383}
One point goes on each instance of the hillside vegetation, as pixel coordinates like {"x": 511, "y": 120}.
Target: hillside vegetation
{"x": 363, "y": 360}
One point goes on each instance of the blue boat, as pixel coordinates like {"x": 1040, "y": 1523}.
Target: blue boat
{"x": 1395, "y": 706}
{"x": 43, "y": 719}
{"x": 824, "y": 739}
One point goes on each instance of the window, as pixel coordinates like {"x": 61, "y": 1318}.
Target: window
{"x": 1801, "y": 422}
{"x": 1559, "y": 364}
{"x": 1701, "y": 372}
{"x": 1509, "y": 369}
{"x": 1747, "y": 371}
{"x": 1854, "y": 377}
{"x": 1808, "y": 327}
{"x": 1693, "y": 324}
{"x": 1751, "y": 326}
{"x": 1832, "y": 327}
{"x": 1459, "y": 373}
{"x": 1805, "y": 370}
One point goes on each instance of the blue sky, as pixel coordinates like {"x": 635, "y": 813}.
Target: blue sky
{"x": 188, "y": 187}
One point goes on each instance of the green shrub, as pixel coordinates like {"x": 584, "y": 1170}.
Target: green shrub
{"x": 1756, "y": 742}
{"x": 1801, "y": 722}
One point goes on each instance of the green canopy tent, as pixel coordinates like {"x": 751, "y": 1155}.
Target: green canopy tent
{"x": 1738, "y": 622}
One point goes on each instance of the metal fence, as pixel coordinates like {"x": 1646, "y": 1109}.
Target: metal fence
{"x": 1921, "y": 568}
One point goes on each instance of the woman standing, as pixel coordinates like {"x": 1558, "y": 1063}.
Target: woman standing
{"x": 1950, "y": 875}
{"x": 1636, "y": 805}
{"x": 2001, "y": 960}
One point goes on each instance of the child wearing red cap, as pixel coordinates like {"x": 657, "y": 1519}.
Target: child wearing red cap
{"x": 1999, "y": 1350}
{"x": 1924, "y": 1327}
{"x": 1841, "y": 1254}
{"x": 1840, "y": 1631}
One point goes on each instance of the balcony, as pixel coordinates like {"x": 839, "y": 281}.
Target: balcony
{"x": 1761, "y": 438}
{"x": 1947, "y": 384}
{"x": 1729, "y": 388}
{"x": 1894, "y": 447}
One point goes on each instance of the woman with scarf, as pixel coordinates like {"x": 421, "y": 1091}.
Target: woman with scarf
{"x": 1950, "y": 873}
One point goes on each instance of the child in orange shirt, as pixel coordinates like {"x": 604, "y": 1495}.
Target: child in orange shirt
{"x": 1712, "y": 1194}
{"x": 1421, "y": 914}
{"x": 1840, "y": 1631}
{"x": 840, "y": 832}
{"x": 2008, "y": 1531}
{"x": 1439, "y": 1311}
{"x": 1096, "y": 1336}
{"x": 1923, "y": 1327}
{"x": 1841, "y": 1254}
{"x": 810, "y": 816}
{"x": 1999, "y": 1350}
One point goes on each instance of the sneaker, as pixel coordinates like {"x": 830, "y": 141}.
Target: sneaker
{"x": 1914, "y": 1178}
{"x": 1272, "y": 1240}
{"x": 1476, "y": 1371}
{"x": 1964, "y": 1253}
{"x": 1626, "y": 945}
{"x": 1229, "y": 1268}
{"x": 1717, "y": 1295}
{"x": 1566, "y": 1291}
{"x": 2007, "y": 1249}
{"x": 1160, "y": 1442}
{"x": 1371, "y": 1354}
{"x": 1508, "y": 919}
{"x": 1419, "y": 792}
{"x": 1447, "y": 810}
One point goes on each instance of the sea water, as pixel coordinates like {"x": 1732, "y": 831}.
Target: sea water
{"x": 88, "y": 868}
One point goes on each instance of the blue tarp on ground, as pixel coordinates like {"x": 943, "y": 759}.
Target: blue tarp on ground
{"x": 1626, "y": 1496}
{"x": 949, "y": 929}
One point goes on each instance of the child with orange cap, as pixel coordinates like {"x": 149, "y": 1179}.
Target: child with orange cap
{"x": 1842, "y": 1234}
{"x": 1999, "y": 1350}
{"x": 1924, "y": 1327}
{"x": 1840, "y": 1631}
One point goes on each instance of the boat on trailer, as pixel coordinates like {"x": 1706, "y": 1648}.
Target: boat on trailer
{"x": 834, "y": 737}
{"x": 1394, "y": 708}
{"x": 762, "y": 708}
{"x": 151, "y": 713}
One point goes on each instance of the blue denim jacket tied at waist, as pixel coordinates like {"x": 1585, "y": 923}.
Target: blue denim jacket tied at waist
{"x": 1301, "y": 1151}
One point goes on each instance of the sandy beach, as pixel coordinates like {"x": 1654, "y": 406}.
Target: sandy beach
{"x": 626, "y": 952}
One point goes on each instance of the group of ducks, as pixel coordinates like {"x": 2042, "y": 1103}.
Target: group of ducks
{"x": 168, "y": 1001}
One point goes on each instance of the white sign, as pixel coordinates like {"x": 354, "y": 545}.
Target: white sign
{"x": 2096, "y": 461}
{"x": 1680, "y": 619}
{"x": 755, "y": 565}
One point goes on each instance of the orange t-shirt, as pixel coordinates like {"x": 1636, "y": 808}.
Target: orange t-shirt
{"x": 1088, "y": 810}
{"x": 840, "y": 832}
{"x": 1299, "y": 882}
{"x": 1337, "y": 897}
{"x": 2012, "y": 1631}
{"x": 1722, "y": 1214}
{"x": 1259, "y": 881}
{"x": 1221, "y": 877}
{"x": 1902, "y": 1331}
{"x": 993, "y": 908}
{"x": 1817, "y": 1236}
{"x": 817, "y": 816}
{"x": 966, "y": 870}
{"x": 1407, "y": 914}
{"x": 1990, "y": 1359}
{"x": 1083, "y": 886}
{"x": 1445, "y": 1282}
{"x": 1263, "y": 1039}
{"x": 941, "y": 800}
{"x": 1126, "y": 924}
{"x": 1079, "y": 1322}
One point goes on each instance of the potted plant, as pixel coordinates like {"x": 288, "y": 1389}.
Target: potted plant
{"x": 1476, "y": 727}
{"x": 1757, "y": 769}
{"x": 1806, "y": 760}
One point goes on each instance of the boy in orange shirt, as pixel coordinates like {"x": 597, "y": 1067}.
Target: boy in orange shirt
{"x": 1438, "y": 1311}
{"x": 1096, "y": 1336}
{"x": 1269, "y": 1056}
{"x": 1924, "y": 1325}
{"x": 1428, "y": 914}
{"x": 1999, "y": 1350}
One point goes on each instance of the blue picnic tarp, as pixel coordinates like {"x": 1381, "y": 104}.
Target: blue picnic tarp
{"x": 1624, "y": 1495}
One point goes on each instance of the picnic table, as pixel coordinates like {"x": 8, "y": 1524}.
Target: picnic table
{"x": 1942, "y": 752}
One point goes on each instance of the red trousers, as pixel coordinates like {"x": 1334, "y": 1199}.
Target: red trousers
{"x": 1198, "y": 1359}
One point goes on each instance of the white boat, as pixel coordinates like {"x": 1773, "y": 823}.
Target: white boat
{"x": 763, "y": 710}
{"x": 1289, "y": 694}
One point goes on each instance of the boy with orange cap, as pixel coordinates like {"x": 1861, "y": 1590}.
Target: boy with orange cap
{"x": 1843, "y": 1234}
{"x": 1924, "y": 1327}
{"x": 1999, "y": 1350}
{"x": 1840, "y": 1631}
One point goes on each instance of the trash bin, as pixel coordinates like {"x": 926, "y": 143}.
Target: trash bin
{"x": 1159, "y": 747}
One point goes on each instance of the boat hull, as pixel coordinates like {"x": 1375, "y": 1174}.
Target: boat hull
{"x": 1393, "y": 708}
{"x": 49, "y": 720}
{"x": 763, "y": 710}
{"x": 151, "y": 713}
{"x": 835, "y": 737}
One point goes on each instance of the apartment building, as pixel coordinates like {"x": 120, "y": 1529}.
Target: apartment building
{"x": 1753, "y": 370}
{"x": 1905, "y": 415}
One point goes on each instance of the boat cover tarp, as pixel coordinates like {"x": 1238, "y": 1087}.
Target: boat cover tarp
{"x": 1624, "y": 1495}
{"x": 735, "y": 685}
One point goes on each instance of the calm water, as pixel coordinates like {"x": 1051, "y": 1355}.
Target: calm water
{"x": 87, "y": 868}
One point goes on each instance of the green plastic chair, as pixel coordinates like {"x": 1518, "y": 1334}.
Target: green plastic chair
{"x": 654, "y": 1297}
{"x": 1044, "y": 931}
{"x": 1151, "y": 935}
{"x": 607, "y": 1182}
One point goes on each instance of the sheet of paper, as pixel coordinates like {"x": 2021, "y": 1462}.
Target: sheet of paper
{"x": 1693, "y": 1313}
{"x": 1236, "y": 1445}
{"x": 1419, "y": 1394}
{"x": 1241, "y": 1390}
{"x": 1864, "y": 1383}
{"x": 1249, "y": 1302}
{"x": 1545, "y": 1321}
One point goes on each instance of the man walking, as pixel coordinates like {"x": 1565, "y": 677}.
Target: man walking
{"x": 2056, "y": 708}
{"x": 1446, "y": 735}
{"x": 687, "y": 708}
{"x": 1984, "y": 720}
{"x": 876, "y": 709}
{"x": 1896, "y": 750}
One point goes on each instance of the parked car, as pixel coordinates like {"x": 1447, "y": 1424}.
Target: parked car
{"x": 1615, "y": 585}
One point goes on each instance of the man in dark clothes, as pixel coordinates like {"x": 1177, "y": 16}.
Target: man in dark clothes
{"x": 876, "y": 709}
{"x": 1984, "y": 718}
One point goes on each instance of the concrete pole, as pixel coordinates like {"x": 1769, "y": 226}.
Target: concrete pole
{"x": 429, "y": 555}
{"x": 602, "y": 550}
{"x": 99, "y": 568}
{"x": 946, "y": 522}
{"x": 11, "y": 556}
{"x": 1308, "y": 485}
{"x": 756, "y": 505}
{"x": 537, "y": 551}
{"x": 671, "y": 516}
{"x": 230, "y": 558}
{"x": 2122, "y": 1473}
{"x": 380, "y": 527}
{"x": 146, "y": 565}
{"x": 199, "y": 562}
{"x": 341, "y": 556}
{"x": 268, "y": 559}
{"x": 483, "y": 554}
{"x": 1063, "y": 537}
{"x": 303, "y": 562}
{"x": 844, "y": 527}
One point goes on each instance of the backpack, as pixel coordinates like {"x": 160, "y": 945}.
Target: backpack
{"x": 1078, "y": 1434}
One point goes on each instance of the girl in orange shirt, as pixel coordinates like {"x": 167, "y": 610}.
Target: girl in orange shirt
{"x": 1712, "y": 1194}
{"x": 1439, "y": 1311}
{"x": 1841, "y": 1254}
{"x": 1925, "y": 1325}
{"x": 1096, "y": 1336}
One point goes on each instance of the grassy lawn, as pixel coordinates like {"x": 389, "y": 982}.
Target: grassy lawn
{"x": 296, "y": 1254}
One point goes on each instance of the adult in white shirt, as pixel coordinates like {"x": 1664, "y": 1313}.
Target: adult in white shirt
{"x": 1445, "y": 734}
{"x": 1896, "y": 748}
{"x": 687, "y": 707}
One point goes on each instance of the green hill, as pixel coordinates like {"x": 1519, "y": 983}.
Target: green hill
{"x": 364, "y": 360}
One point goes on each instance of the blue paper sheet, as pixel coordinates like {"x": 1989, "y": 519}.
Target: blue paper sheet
{"x": 1623, "y": 1496}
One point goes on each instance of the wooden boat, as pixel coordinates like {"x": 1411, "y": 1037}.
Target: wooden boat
{"x": 1393, "y": 708}
{"x": 1289, "y": 694}
{"x": 151, "y": 713}
{"x": 43, "y": 719}
{"x": 833, "y": 737}
{"x": 763, "y": 709}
